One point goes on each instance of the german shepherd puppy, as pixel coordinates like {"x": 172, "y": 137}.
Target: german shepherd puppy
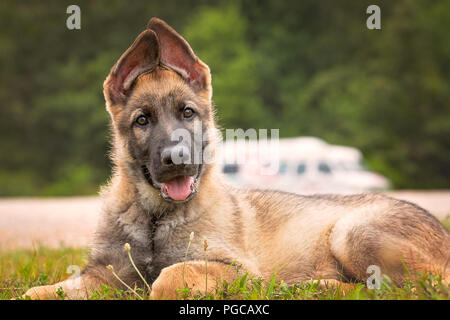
{"x": 154, "y": 203}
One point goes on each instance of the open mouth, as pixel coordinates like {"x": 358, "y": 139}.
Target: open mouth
{"x": 179, "y": 189}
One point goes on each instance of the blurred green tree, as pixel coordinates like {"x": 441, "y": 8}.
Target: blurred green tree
{"x": 218, "y": 36}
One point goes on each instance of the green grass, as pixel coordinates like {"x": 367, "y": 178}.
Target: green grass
{"x": 23, "y": 269}
{"x": 446, "y": 222}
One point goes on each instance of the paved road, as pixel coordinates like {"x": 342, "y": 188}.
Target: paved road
{"x": 53, "y": 222}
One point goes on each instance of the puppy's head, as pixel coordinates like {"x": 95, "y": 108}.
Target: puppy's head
{"x": 158, "y": 94}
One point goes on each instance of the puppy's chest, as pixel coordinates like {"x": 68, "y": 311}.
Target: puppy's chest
{"x": 169, "y": 240}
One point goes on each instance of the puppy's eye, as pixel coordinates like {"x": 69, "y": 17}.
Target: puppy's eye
{"x": 188, "y": 113}
{"x": 142, "y": 120}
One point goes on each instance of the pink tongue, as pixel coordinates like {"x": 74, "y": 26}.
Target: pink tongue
{"x": 179, "y": 188}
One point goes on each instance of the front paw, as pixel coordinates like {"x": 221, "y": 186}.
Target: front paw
{"x": 42, "y": 293}
{"x": 191, "y": 277}
{"x": 167, "y": 283}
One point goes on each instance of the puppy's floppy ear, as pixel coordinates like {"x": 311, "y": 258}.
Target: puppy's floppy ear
{"x": 141, "y": 57}
{"x": 178, "y": 55}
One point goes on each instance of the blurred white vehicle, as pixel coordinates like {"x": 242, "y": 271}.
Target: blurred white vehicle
{"x": 303, "y": 165}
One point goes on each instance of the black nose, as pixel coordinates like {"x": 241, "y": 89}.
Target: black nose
{"x": 175, "y": 155}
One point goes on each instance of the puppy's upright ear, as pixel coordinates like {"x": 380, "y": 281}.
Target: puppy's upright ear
{"x": 141, "y": 57}
{"x": 178, "y": 55}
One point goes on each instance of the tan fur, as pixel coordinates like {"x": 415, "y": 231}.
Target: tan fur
{"x": 73, "y": 289}
{"x": 171, "y": 278}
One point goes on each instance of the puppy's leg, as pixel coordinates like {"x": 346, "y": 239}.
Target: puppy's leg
{"x": 73, "y": 288}
{"x": 171, "y": 278}
{"x": 405, "y": 238}
{"x": 92, "y": 277}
